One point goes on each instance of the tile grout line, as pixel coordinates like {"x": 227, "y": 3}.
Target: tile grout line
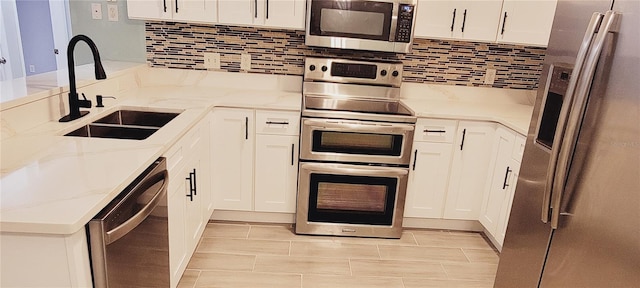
{"x": 248, "y": 232}
{"x": 465, "y": 255}
{"x": 195, "y": 283}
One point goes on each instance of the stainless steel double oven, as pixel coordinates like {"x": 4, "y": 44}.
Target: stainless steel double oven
{"x": 355, "y": 149}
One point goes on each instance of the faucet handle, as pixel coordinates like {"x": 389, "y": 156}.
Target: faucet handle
{"x": 84, "y": 103}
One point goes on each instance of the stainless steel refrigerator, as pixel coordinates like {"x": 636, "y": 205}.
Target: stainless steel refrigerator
{"x": 575, "y": 220}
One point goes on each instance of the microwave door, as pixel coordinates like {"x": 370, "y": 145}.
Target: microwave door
{"x": 362, "y": 25}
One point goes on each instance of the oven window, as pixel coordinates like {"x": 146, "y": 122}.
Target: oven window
{"x": 357, "y": 143}
{"x": 351, "y": 199}
{"x": 352, "y": 19}
{"x": 370, "y": 198}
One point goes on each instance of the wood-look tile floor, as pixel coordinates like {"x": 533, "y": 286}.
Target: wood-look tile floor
{"x": 250, "y": 255}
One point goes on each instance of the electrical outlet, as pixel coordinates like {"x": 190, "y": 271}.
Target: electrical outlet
{"x": 32, "y": 68}
{"x": 212, "y": 60}
{"x": 490, "y": 76}
{"x": 96, "y": 11}
{"x": 245, "y": 62}
{"x": 112, "y": 12}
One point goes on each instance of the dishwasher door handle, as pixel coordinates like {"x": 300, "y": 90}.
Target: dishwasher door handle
{"x": 131, "y": 223}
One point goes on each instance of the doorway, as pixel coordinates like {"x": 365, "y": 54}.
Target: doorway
{"x": 32, "y": 32}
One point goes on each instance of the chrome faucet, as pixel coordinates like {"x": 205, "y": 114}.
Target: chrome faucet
{"x": 74, "y": 102}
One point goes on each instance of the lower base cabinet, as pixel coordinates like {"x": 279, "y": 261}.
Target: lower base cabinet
{"x": 503, "y": 177}
{"x": 464, "y": 170}
{"x": 189, "y": 196}
{"x": 255, "y": 162}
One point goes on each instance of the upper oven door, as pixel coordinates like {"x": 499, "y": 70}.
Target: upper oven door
{"x": 366, "y": 25}
{"x": 356, "y": 141}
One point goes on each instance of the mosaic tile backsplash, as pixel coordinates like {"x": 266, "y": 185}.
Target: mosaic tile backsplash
{"x": 276, "y": 51}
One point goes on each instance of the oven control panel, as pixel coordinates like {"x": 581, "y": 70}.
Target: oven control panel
{"x": 353, "y": 71}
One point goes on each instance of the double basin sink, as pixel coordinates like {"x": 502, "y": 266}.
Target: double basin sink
{"x": 125, "y": 124}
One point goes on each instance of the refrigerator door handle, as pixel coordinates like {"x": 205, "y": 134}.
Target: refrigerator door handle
{"x": 608, "y": 25}
{"x": 564, "y": 113}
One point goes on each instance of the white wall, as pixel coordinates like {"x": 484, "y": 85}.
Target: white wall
{"x": 123, "y": 40}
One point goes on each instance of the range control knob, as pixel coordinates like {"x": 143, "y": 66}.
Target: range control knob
{"x": 324, "y": 68}
{"x": 395, "y": 74}
{"x": 312, "y": 67}
{"x": 383, "y": 73}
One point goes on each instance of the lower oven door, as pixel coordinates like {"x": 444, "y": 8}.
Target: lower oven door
{"x": 351, "y": 200}
{"x": 356, "y": 141}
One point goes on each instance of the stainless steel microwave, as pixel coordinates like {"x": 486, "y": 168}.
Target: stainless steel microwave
{"x": 381, "y": 25}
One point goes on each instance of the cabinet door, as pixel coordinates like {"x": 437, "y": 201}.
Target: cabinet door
{"x": 232, "y": 140}
{"x": 194, "y": 221}
{"x": 276, "y": 173}
{"x": 150, "y": 9}
{"x": 526, "y": 22}
{"x": 177, "y": 237}
{"x": 499, "y": 172}
{"x": 195, "y": 10}
{"x": 428, "y": 177}
{"x": 285, "y": 13}
{"x": 239, "y": 12}
{"x": 204, "y": 182}
{"x": 471, "y": 158}
{"x": 505, "y": 211}
{"x": 436, "y": 19}
{"x": 478, "y": 20}
{"x": 468, "y": 20}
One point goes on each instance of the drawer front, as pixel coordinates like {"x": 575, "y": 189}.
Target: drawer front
{"x": 518, "y": 147}
{"x": 435, "y": 130}
{"x": 277, "y": 122}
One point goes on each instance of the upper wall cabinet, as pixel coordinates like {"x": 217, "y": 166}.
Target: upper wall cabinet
{"x": 204, "y": 11}
{"x": 268, "y": 13}
{"x": 507, "y": 21}
{"x": 527, "y": 22}
{"x": 466, "y": 20}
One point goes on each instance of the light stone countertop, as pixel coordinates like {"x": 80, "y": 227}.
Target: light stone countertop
{"x": 53, "y": 184}
{"x": 509, "y": 107}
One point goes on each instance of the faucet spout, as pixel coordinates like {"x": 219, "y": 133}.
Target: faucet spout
{"x": 74, "y": 102}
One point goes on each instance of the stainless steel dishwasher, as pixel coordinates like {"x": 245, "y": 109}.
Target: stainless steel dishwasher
{"x": 129, "y": 238}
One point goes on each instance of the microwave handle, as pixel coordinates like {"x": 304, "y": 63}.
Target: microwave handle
{"x": 394, "y": 22}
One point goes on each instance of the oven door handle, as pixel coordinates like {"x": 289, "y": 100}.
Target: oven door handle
{"x": 353, "y": 170}
{"x": 357, "y": 127}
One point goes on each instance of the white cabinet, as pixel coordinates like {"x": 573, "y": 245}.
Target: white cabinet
{"x": 505, "y": 21}
{"x": 188, "y": 166}
{"x": 270, "y": 154}
{"x": 177, "y": 237}
{"x": 503, "y": 176}
{"x": 232, "y": 150}
{"x": 471, "y": 158}
{"x": 526, "y": 22}
{"x": 276, "y": 166}
{"x": 429, "y": 170}
{"x": 464, "y": 20}
{"x": 178, "y": 10}
{"x": 269, "y": 13}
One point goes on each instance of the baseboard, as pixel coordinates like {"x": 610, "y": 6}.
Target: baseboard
{"x": 447, "y": 224}
{"x": 289, "y": 218}
{"x": 252, "y": 216}
{"x": 493, "y": 240}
